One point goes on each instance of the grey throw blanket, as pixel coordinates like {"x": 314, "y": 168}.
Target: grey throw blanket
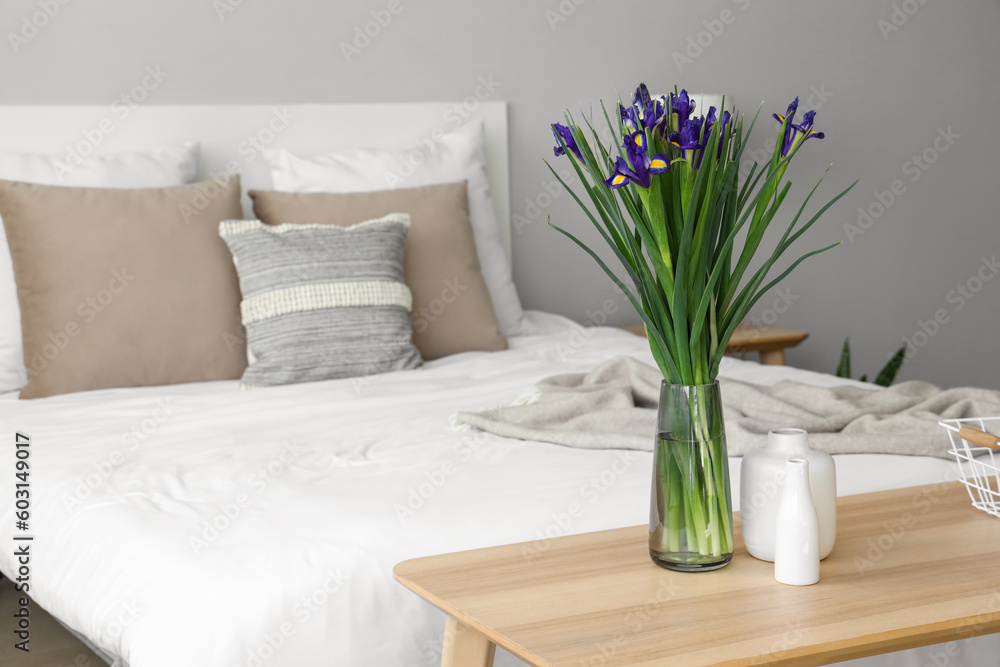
{"x": 614, "y": 407}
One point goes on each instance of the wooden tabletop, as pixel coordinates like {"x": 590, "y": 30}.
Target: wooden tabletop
{"x": 911, "y": 567}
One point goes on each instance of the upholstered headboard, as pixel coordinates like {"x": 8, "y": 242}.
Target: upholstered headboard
{"x": 232, "y": 136}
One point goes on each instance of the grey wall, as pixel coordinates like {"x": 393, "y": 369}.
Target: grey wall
{"x": 884, "y": 96}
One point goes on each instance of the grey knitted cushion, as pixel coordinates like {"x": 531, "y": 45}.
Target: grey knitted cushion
{"x": 322, "y": 302}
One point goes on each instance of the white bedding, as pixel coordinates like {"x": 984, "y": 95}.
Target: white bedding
{"x": 327, "y": 485}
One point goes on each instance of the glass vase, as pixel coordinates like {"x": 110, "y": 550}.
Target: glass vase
{"x": 691, "y": 516}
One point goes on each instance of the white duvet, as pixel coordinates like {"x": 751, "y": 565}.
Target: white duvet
{"x": 201, "y": 525}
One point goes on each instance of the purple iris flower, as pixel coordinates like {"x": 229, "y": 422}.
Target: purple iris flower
{"x": 805, "y": 131}
{"x": 567, "y": 138}
{"x": 642, "y": 165}
{"x": 630, "y": 118}
{"x": 789, "y": 136}
{"x": 681, "y": 108}
{"x": 648, "y": 114}
{"x": 726, "y": 121}
{"x": 650, "y": 109}
{"x": 789, "y": 114}
{"x": 652, "y": 113}
{"x": 710, "y": 121}
{"x": 686, "y": 140}
{"x": 641, "y": 95}
{"x": 726, "y": 118}
{"x": 694, "y": 132}
{"x": 797, "y": 133}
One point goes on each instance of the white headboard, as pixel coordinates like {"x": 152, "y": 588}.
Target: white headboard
{"x": 225, "y": 132}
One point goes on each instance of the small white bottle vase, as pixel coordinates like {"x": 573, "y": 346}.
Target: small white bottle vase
{"x": 762, "y": 478}
{"x": 796, "y": 545}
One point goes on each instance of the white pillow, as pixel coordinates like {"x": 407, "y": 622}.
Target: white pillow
{"x": 457, "y": 156}
{"x": 154, "y": 168}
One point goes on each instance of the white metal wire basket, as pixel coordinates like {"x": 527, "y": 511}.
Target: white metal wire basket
{"x": 978, "y": 465}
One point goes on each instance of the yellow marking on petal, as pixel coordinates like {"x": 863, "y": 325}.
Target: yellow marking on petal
{"x": 618, "y": 179}
{"x": 656, "y": 164}
{"x": 781, "y": 119}
{"x": 640, "y": 139}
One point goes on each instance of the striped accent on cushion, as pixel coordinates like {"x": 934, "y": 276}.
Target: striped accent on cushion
{"x": 322, "y": 302}
{"x": 234, "y": 227}
{"x": 329, "y": 295}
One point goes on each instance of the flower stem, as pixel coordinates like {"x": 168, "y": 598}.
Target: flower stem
{"x": 675, "y": 520}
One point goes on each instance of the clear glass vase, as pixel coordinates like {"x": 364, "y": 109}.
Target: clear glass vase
{"x": 691, "y": 509}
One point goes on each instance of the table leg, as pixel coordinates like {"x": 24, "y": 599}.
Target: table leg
{"x": 772, "y": 357}
{"x": 465, "y": 647}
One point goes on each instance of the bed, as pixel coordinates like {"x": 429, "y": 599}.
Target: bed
{"x": 198, "y": 524}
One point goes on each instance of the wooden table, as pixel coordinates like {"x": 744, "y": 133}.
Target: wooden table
{"x": 911, "y": 567}
{"x": 771, "y": 342}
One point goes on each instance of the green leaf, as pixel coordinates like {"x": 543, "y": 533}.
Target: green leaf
{"x": 751, "y": 183}
{"x": 888, "y": 373}
{"x": 844, "y": 367}
{"x": 787, "y": 240}
{"x": 612, "y": 235}
{"x": 614, "y": 131}
{"x": 623, "y": 245}
{"x": 667, "y": 367}
{"x": 745, "y": 307}
{"x": 761, "y": 204}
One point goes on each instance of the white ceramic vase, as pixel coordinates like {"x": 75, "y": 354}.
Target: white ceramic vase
{"x": 762, "y": 479}
{"x": 796, "y": 544}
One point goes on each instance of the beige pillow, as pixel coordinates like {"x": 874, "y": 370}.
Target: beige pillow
{"x": 123, "y": 288}
{"x": 452, "y": 311}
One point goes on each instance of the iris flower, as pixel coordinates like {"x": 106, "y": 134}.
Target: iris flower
{"x": 694, "y": 132}
{"x": 645, "y": 111}
{"x": 686, "y": 139}
{"x": 681, "y": 108}
{"x": 805, "y": 130}
{"x": 710, "y": 121}
{"x": 649, "y": 108}
{"x": 642, "y": 165}
{"x": 652, "y": 113}
{"x": 641, "y": 95}
{"x": 567, "y": 138}
{"x": 630, "y": 118}
{"x": 796, "y": 134}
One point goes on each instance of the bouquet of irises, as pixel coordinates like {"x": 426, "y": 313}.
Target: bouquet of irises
{"x": 669, "y": 203}
{"x": 676, "y": 216}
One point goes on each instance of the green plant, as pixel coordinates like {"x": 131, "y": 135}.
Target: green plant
{"x": 669, "y": 204}
{"x": 674, "y": 222}
{"x": 885, "y": 377}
